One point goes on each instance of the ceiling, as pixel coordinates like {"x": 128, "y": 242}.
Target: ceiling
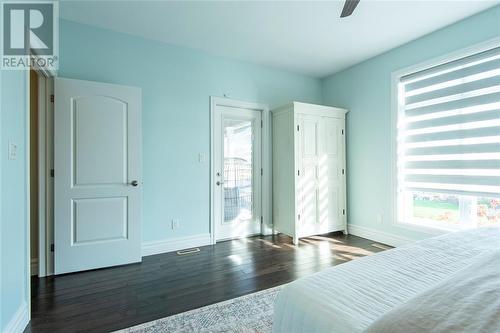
{"x": 306, "y": 37}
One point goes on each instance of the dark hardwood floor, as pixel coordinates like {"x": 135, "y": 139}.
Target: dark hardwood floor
{"x": 113, "y": 298}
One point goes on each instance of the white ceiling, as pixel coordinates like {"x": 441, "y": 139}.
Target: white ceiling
{"x": 306, "y": 37}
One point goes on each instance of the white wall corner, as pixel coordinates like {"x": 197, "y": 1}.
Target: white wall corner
{"x": 174, "y": 244}
{"x": 378, "y": 236}
{"x": 19, "y": 320}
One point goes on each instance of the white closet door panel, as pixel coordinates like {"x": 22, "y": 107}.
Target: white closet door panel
{"x": 309, "y": 156}
{"x": 333, "y": 157}
{"x": 310, "y": 135}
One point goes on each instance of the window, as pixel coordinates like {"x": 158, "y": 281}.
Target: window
{"x": 448, "y": 143}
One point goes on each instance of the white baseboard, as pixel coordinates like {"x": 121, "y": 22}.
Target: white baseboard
{"x": 34, "y": 266}
{"x": 377, "y": 235}
{"x": 19, "y": 320}
{"x": 174, "y": 244}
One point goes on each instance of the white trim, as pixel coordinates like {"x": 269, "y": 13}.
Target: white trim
{"x": 396, "y": 109}
{"x": 27, "y": 223}
{"x": 1, "y": 186}
{"x": 462, "y": 53}
{"x": 49, "y": 180}
{"x": 378, "y": 236}
{"x": 314, "y": 109}
{"x": 175, "y": 244}
{"x": 42, "y": 128}
{"x": 19, "y": 320}
{"x": 266, "y": 228}
{"x": 45, "y": 181}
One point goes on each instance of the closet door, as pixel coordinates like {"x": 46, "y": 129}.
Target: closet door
{"x": 308, "y": 163}
{"x": 331, "y": 182}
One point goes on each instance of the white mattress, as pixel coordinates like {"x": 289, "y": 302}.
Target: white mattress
{"x": 349, "y": 297}
{"x": 468, "y": 302}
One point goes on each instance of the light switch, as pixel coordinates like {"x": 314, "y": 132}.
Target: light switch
{"x": 12, "y": 151}
{"x": 201, "y": 157}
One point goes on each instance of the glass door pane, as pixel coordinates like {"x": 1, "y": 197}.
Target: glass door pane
{"x": 238, "y": 170}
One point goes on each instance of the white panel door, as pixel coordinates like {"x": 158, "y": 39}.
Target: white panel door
{"x": 238, "y": 179}
{"x": 98, "y": 166}
{"x": 331, "y": 185}
{"x": 320, "y": 183}
{"x": 308, "y": 181}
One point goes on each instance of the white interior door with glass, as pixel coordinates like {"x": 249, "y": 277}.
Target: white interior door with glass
{"x": 98, "y": 165}
{"x": 237, "y": 177}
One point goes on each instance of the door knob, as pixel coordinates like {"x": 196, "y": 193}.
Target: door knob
{"x": 134, "y": 183}
{"x": 218, "y": 183}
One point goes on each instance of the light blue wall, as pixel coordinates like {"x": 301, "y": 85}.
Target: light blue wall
{"x": 13, "y": 231}
{"x": 176, "y": 84}
{"x": 365, "y": 90}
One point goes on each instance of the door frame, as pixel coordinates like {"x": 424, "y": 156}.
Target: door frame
{"x": 45, "y": 179}
{"x": 266, "y": 226}
{"x": 44, "y": 263}
{"x": 45, "y": 79}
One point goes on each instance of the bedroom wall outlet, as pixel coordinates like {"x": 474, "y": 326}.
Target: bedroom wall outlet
{"x": 175, "y": 224}
{"x": 380, "y": 217}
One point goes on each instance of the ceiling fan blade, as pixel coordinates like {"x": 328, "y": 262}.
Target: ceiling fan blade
{"x": 349, "y": 7}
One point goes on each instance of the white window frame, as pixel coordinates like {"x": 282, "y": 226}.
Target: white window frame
{"x": 397, "y": 111}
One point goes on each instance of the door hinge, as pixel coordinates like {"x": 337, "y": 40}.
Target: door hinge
{"x": 52, "y": 173}
{"x": 298, "y": 172}
{"x": 299, "y": 216}
{"x": 343, "y": 172}
{"x": 342, "y": 132}
{"x": 52, "y": 98}
{"x": 298, "y": 127}
{"x": 262, "y": 219}
{"x": 261, "y": 123}
{"x": 343, "y": 211}
{"x": 261, "y": 172}
{"x": 52, "y": 248}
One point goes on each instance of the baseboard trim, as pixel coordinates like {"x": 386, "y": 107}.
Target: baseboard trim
{"x": 174, "y": 244}
{"x": 378, "y": 236}
{"x": 19, "y": 320}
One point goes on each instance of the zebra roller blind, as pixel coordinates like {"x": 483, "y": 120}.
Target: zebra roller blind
{"x": 449, "y": 127}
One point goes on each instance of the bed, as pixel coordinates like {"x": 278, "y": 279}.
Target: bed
{"x": 352, "y": 296}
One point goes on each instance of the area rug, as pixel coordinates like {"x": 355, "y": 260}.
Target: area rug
{"x": 245, "y": 314}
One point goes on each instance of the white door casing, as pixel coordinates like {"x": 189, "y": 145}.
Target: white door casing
{"x": 237, "y": 178}
{"x": 98, "y": 175}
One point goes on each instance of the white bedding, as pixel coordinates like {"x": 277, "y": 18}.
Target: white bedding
{"x": 467, "y": 302}
{"x": 349, "y": 297}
